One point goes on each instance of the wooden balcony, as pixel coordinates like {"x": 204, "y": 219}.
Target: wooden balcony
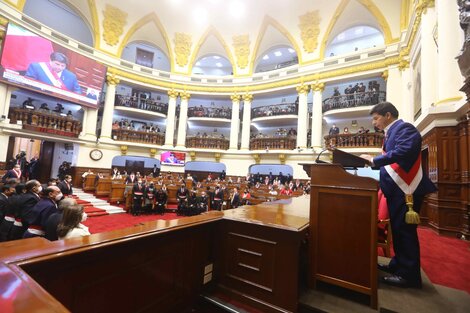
{"x": 46, "y": 122}
{"x": 273, "y": 143}
{"x": 366, "y": 140}
{"x": 138, "y": 136}
{"x": 207, "y": 143}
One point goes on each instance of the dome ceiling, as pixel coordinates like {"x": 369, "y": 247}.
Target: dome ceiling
{"x": 240, "y": 30}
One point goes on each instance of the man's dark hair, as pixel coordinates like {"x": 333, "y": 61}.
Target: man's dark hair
{"x": 5, "y": 188}
{"x": 47, "y": 191}
{"x": 59, "y": 57}
{"x": 30, "y": 184}
{"x": 383, "y": 107}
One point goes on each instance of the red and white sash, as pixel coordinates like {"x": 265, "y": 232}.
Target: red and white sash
{"x": 407, "y": 181}
{"x": 52, "y": 76}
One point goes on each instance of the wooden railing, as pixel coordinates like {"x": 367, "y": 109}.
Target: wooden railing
{"x": 207, "y": 143}
{"x": 275, "y": 143}
{"x": 138, "y": 136}
{"x": 46, "y": 122}
{"x": 353, "y": 100}
{"x": 370, "y": 140}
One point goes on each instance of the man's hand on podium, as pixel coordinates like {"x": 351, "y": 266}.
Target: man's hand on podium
{"x": 368, "y": 158}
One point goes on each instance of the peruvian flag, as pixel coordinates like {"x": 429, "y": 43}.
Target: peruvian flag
{"x": 23, "y": 47}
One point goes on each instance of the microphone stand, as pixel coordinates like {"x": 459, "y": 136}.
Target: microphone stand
{"x": 332, "y": 147}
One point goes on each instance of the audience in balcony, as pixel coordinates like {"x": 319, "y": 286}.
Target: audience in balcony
{"x": 273, "y": 110}
{"x": 353, "y": 96}
{"x": 200, "y": 111}
{"x": 334, "y": 130}
{"x": 130, "y": 125}
{"x": 142, "y": 103}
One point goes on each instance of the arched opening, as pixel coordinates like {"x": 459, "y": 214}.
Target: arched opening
{"x": 147, "y": 55}
{"x": 212, "y": 65}
{"x": 355, "y": 39}
{"x": 53, "y": 13}
{"x": 276, "y": 58}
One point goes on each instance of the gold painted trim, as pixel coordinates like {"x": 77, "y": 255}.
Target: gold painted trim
{"x": 151, "y": 17}
{"x": 211, "y": 30}
{"x": 159, "y": 84}
{"x": 19, "y": 5}
{"x": 269, "y": 21}
{"x": 449, "y": 100}
{"x": 405, "y": 14}
{"x": 375, "y": 11}
{"x": 95, "y": 24}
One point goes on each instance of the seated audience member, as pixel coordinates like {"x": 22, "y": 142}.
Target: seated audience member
{"x": 7, "y": 194}
{"x": 87, "y": 173}
{"x": 246, "y": 197}
{"x": 23, "y": 204}
{"x": 285, "y": 191}
{"x": 235, "y": 200}
{"x": 131, "y": 179}
{"x": 272, "y": 191}
{"x": 115, "y": 174}
{"x": 160, "y": 201}
{"x": 53, "y": 221}
{"x": 71, "y": 224}
{"x": 346, "y": 130}
{"x": 66, "y": 186}
{"x": 15, "y": 172}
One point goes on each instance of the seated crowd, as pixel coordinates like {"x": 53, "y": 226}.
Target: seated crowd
{"x": 131, "y": 125}
{"x": 200, "y": 111}
{"x": 356, "y": 95}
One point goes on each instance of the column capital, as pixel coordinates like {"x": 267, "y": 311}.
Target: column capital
{"x": 111, "y": 79}
{"x": 235, "y": 97}
{"x": 385, "y": 75}
{"x": 185, "y": 95}
{"x": 318, "y": 86}
{"x": 172, "y": 93}
{"x": 247, "y": 97}
{"x": 303, "y": 89}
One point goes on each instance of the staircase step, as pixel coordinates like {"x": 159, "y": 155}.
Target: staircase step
{"x": 95, "y": 206}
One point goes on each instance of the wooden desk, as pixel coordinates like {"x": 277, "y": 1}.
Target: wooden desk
{"x": 103, "y": 187}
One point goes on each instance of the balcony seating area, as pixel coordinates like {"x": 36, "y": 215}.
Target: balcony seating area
{"x": 207, "y": 143}
{"x": 273, "y": 143}
{"x": 275, "y": 109}
{"x": 201, "y": 111}
{"x": 142, "y": 104}
{"x": 353, "y": 100}
{"x": 138, "y": 136}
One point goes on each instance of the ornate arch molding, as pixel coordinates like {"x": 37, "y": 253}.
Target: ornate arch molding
{"x": 269, "y": 21}
{"x": 372, "y": 8}
{"x": 18, "y": 4}
{"x": 149, "y": 18}
{"x": 212, "y": 31}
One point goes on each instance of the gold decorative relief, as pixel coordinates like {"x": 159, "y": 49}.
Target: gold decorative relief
{"x": 235, "y": 97}
{"x": 302, "y": 89}
{"x": 282, "y": 158}
{"x": 172, "y": 93}
{"x": 192, "y": 154}
{"x": 385, "y": 75}
{"x": 309, "y": 30}
{"x": 217, "y": 156}
{"x": 3, "y": 21}
{"x": 241, "y": 44}
{"x": 153, "y": 152}
{"x": 123, "y": 150}
{"x": 183, "y": 43}
{"x": 113, "y": 24}
{"x": 318, "y": 86}
{"x": 257, "y": 158}
{"x": 185, "y": 95}
{"x": 247, "y": 97}
{"x": 111, "y": 79}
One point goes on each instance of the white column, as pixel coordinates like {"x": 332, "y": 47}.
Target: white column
{"x": 450, "y": 40}
{"x": 407, "y": 110}
{"x": 428, "y": 60}
{"x": 247, "y": 98}
{"x": 392, "y": 77}
{"x": 170, "y": 118}
{"x": 317, "y": 116}
{"x": 183, "y": 120}
{"x": 235, "y": 123}
{"x": 90, "y": 119}
{"x": 5, "y": 97}
{"x": 302, "y": 117}
{"x": 107, "y": 121}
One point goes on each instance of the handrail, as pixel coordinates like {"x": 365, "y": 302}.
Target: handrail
{"x": 369, "y": 140}
{"x": 207, "y": 143}
{"x": 274, "y": 143}
{"x": 138, "y": 136}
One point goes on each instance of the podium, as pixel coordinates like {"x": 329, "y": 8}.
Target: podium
{"x": 343, "y": 229}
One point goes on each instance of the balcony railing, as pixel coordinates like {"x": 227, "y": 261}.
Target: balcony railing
{"x": 274, "y": 110}
{"x": 207, "y": 143}
{"x": 46, "y": 121}
{"x": 366, "y": 140}
{"x": 138, "y": 136}
{"x": 273, "y": 143}
{"x": 353, "y": 100}
{"x": 210, "y": 112}
{"x": 141, "y": 104}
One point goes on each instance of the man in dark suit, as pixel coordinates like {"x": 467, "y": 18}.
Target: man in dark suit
{"x": 401, "y": 174}
{"x": 41, "y": 212}
{"x": 15, "y": 172}
{"x": 182, "y": 195}
{"x": 50, "y": 227}
{"x": 5, "y": 192}
{"x": 23, "y": 205}
{"x": 235, "y": 201}
{"x": 65, "y": 186}
{"x": 54, "y": 73}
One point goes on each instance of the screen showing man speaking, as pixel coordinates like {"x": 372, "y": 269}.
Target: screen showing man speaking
{"x": 36, "y": 63}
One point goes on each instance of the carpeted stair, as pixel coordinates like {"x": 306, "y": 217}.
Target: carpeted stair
{"x": 94, "y": 206}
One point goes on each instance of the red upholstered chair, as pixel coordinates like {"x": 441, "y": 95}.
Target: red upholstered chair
{"x": 384, "y": 235}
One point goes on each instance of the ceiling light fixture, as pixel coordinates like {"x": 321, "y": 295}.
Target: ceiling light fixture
{"x": 198, "y": 63}
{"x": 290, "y": 50}
{"x": 277, "y": 53}
{"x": 218, "y": 64}
{"x": 266, "y": 57}
{"x": 216, "y": 57}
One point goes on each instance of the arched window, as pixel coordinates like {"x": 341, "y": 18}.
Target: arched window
{"x": 276, "y": 58}
{"x": 147, "y": 55}
{"x": 53, "y": 13}
{"x": 213, "y": 65}
{"x": 354, "y": 39}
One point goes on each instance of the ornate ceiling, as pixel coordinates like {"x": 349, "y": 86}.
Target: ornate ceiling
{"x": 176, "y": 26}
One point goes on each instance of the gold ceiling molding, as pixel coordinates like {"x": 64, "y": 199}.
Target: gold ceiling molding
{"x": 149, "y": 18}
{"x": 302, "y": 89}
{"x": 19, "y": 4}
{"x": 185, "y": 95}
{"x": 95, "y": 23}
{"x": 241, "y": 45}
{"x": 160, "y": 84}
{"x": 111, "y": 79}
{"x": 212, "y": 31}
{"x": 183, "y": 43}
{"x": 318, "y": 86}
{"x": 269, "y": 21}
{"x": 385, "y": 75}
{"x": 405, "y": 14}
{"x": 309, "y": 30}
{"x": 113, "y": 24}
{"x": 375, "y": 11}
{"x": 172, "y": 93}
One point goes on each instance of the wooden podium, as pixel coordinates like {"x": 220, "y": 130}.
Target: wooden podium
{"x": 343, "y": 229}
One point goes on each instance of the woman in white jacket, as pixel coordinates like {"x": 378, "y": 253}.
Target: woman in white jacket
{"x": 71, "y": 226}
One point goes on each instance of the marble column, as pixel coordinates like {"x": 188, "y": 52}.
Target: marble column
{"x": 429, "y": 80}
{"x": 107, "y": 121}
{"x": 317, "y": 116}
{"x": 450, "y": 40}
{"x": 183, "y": 120}
{"x": 90, "y": 119}
{"x": 407, "y": 110}
{"x": 302, "y": 117}
{"x": 235, "y": 123}
{"x": 5, "y": 97}
{"x": 170, "y": 118}
{"x": 247, "y": 99}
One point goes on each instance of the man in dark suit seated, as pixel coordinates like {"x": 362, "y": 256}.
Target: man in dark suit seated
{"x": 65, "y": 186}
{"x": 181, "y": 195}
{"x": 160, "y": 201}
{"x": 218, "y": 198}
{"x": 235, "y": 201}
{"x": 15, "y": 172}
{"x": 23, "y": 206}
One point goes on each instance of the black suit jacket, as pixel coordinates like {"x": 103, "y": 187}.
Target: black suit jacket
{"x": 235, "y": 200}
{"x": 3, "y": 205}
{"x": 24, "y": 207}
{"x": 66, "y": 190}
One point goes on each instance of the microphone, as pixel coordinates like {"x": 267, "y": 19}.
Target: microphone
{"x": 317, "y": 160}
{"x": 340, "y": 142}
